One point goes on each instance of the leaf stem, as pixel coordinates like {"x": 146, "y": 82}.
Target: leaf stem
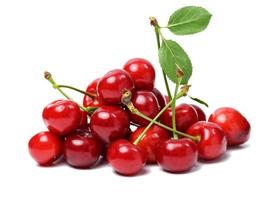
{"x": 158, "y": 33}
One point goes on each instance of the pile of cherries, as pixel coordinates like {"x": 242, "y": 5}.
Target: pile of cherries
{"x": 81, "y": 139}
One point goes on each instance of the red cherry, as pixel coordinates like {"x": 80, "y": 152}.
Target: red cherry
{"x": 160, "y": 97}
{"x": 185, "y": 117}
{"x": 149, "y": 143}
{"x": 92, "y": 102}
{"x": 146, "y": 102}
{"x": 166, "y": 99}
{"x": 142, "y": 72}
{"x": 125, "y": 157}
{"x": 213, "y": 141}
{"x": 81, "y": 150}
{"x": 112, "y": 85}
{"x": 45, "y": 148}
{"x": 84, "y": 120}
{"x": 62, "y": 116}
{"x": 177, "y": 155}
{"x": 200, "y": 113}
{"x": 234, "y": 124}
{"x": 110, "y": 123}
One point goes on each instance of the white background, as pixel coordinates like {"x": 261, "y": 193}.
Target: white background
{"x": 234, "y": 65}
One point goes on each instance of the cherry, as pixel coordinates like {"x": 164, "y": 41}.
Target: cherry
{"x": 125, "y": 157}
{"x": 177, "y": 155}
{"x": 45, "y": 148}
{"x": 160, "y": 97}
{"x": 185, "y": 117}
{"x": 166, "y": 99}
{"x": 146, "y": 102}
{"x": 234, "y": 124}
{"x": 200, "y": 113}
{"x": 110, "y": 123}
{"x": 62, "y": 116}
{"x": 112, "y": 85}
{"x": 84, "y": 120}
{"x": 81, "y": 150}
{"x": 142, "y": 72}
{"x": 92, "y": 102}
{"x": 213, "y": 141}
{"x": 149, "y": 143}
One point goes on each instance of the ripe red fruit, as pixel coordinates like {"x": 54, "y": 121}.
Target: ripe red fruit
{"x": 160, "y": 97}
{"x": 84, "y": 120}
{"x": 81, "y": 150}
{"x": 142, "y": 72}
{"x": 149, "y": 143}
{"x": 234, "y": 124}
{"x": 62, "y": 116}
{"x": 213, "y": 143}
{"x": 110, "y": 123}
{"x": 125, "y": 157}
{"x": 185, "y": 117}
{"x": 200, "y": 113}
{"x": 146, "y": 102}
{"x": 113, "y": 84}
{"x": 92, "y": 102}
{"x": 45, "y": 148}
{"x": 177, "y": 155}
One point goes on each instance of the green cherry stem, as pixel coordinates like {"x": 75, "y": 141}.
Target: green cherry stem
{"x": 91, "y": 95}
{"x": 135, "y": 111}
{"x": 154, "y": 22}
{"x": 175, "y": 136}
{"x": 152, "y": 122}
{"x": 195, "y": 138}
{"x": 48, "y": 76}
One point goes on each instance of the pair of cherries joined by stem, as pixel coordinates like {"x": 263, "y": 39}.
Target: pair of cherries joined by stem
{"x": 82, "y": 143}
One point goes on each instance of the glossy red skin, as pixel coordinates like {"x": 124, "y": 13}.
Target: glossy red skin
{"x": 166, "y": 99}
{"x": 110, "y": 123}
{"x": 84, "y": 120}
{"x": 185, "y": 114}
{"x": 92, "y": 102}
{"x": 125, "y": 157}
{"x": 62, "y": 117}
{"x": 142, "y": 72}
{"x": 177, "y": 155}
{"x": 146, "y": 102}
{"x": 160, "y": 97}
{"x": 234, "y": 124}
{"x": 149, "y": 143}
{"x": 200, "y": 113}
{"x": 81, "y": 150}
{"x": 213, "y": 143}
{"x": 45, "y": 148}
{"x": 113, "y": 84}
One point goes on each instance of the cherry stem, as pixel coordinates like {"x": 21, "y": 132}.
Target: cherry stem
{"x": 91, "y": 95}
{"x": 135, "y": 111}
{"x": 195, "y": 138}
{"x": 175, "y": 136}
{"x": 48, "y": 76}
{"x": 154, "y": 22}
{"x": 139, "y": 138}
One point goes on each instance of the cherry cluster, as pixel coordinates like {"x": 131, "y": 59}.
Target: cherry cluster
{"x": 124, "y": 100}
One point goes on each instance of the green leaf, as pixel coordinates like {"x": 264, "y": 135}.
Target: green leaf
{"x": 171, "y": 55}
{"x": 189, "y": 20}
{"x": 199, "y": 101}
